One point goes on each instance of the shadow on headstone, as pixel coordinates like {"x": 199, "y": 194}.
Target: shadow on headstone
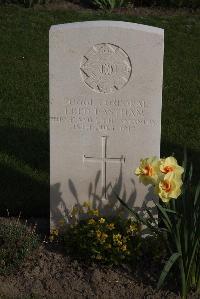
{"x": 26, "y": 194}
{"x": 109, "y": 207}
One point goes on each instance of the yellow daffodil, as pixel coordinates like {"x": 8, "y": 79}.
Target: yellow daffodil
{"x": 169, "y": 187}
{"x": 148, "y": 170}
{"x": 170, "y": 165}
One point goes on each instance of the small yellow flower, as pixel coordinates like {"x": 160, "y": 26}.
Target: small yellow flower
{"x": 169, "y": 187}
{"x": 62, "y": 222}
{"x": 51, "y": 238}
{"x": 104, "y": 236}
{"x": 75, "y": 211}
{"x": 124, "y": 248}
{"x": 148, "y": 170}
{"x": 110, "y": 226}
{"x": 170, "y": 165}
{"x": 117, "y": 237}
{"x": 108, "y": 246}
{"x": 91, "y": 221}
{"x": 132, "y": 228}
{"x": 125, "y": 239}
{"x": 54, "y": 232}
{"x": 86, "y": 204}
{"x": 98, "y": 234}
{"x": 94, "y": 212}
{"x": 102, "y": 220}
{"x": 98, "y": 257}
{"x": 101, "y": 236}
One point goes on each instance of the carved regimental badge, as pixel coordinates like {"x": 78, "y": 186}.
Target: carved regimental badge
{"x": 106, "y": 68}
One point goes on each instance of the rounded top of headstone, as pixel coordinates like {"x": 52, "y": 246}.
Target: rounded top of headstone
{"x": 103, "y": 23}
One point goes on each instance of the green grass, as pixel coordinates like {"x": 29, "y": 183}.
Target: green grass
{"x": 24, "y": 132}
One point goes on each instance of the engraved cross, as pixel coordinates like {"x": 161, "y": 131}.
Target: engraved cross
{"x": 104, "y": 160}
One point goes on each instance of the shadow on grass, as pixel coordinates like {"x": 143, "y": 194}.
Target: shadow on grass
{"x": 29, "y": 146}
{"x": 24, "y": 168}
{"x": 20, "y": 193}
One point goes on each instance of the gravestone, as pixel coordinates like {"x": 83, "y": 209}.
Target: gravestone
{"x": 105, "y": 111}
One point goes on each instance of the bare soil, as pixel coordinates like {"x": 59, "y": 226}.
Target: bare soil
{"x": 49, "y": 273}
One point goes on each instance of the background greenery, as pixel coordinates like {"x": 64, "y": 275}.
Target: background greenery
{"x": 24, "y": 126}
{"x": 193, "y": 4}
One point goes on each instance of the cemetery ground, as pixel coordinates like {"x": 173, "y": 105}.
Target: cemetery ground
{"x": 47, "y": 272}
{"x": 24, "y": 147}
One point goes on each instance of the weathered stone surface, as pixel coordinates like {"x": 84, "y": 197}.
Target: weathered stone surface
{"x": 105, "y": 111}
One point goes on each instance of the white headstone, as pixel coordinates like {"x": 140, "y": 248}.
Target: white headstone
{"x": 105, "y": 111}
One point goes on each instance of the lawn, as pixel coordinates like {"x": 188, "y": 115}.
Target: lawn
{"x": 24, "y": 126}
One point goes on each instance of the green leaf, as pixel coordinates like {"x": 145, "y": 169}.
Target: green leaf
{"x": 165, "y": 217}
{"x": 174, "y": 257}
{"x": 137, "y": 216}
{"x": 184, "y": 164}
{"x": 197, "y": 193}
{"x": 170, "y": 211}
{"x": 195, "y": 248}
{"x": 190, "y": 172}
{"x": 153, "y": 220}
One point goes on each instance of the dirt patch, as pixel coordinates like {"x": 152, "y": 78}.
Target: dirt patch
{"x": 49, "y": 273}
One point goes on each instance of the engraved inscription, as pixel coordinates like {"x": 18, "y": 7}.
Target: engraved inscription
{"x": 106, "y": 68}
{"x": 116, "y": 115}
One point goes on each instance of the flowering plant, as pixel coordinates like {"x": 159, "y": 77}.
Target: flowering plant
{"x": 164, "y": 174}
{"x": 99, "y": 238}
{"x": 179, "y": 217}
